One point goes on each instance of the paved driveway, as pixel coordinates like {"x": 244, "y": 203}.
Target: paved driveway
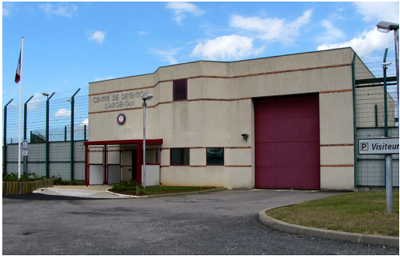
{"x": 215, "y": 223}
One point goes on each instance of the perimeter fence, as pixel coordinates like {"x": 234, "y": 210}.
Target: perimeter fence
{"x": 376, "y": 115}
{"x": 55, "y": 127}
{"x": 51, "y": 152}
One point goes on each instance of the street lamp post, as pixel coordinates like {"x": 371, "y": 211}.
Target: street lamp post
{"x": 144, "y": 98}
{"x": 47, "y": 133}
{"x": 386, "y": 27}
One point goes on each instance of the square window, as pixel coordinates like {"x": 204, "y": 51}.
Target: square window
{"x": 180, "y": 156}
{"x": 215, "y": 156}
{"x": 180, "y": 89}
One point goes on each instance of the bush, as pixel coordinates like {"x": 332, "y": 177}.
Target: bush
{"x": 128, "y": 185}
{"x": 26, "y": 176}
{"x": 57, "y": 180}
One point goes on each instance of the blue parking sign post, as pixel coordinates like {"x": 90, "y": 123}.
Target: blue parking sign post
{"x": 382, "y": 146}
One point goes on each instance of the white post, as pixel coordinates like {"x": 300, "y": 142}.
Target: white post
{"x": 389, "y": 184}
{"x": 20, "y": 110}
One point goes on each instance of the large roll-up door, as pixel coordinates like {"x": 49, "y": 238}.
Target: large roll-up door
{"x": 287, "y": 142}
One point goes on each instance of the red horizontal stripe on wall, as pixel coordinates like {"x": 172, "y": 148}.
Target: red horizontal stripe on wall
{"x": 338, "y": 165}
{"x": 336, "y": 145}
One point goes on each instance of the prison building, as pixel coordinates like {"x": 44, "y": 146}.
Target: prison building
{"x": 277, "y": 122}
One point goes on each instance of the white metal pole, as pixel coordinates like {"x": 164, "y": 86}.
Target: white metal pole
{"x": 389, "y": 184}
{"x": 144, "y": 145}
{"x": 20, "y": 110}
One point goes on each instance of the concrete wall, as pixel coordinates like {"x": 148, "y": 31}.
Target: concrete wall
{"x": 219, "y": 109}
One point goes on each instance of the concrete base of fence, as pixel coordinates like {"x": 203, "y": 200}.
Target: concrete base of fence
{"x": 26, "y": 187}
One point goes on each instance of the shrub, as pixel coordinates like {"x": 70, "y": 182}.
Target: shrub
{"x": 57, "y": 180}
{"x": 127, "y": 185}
{"x": 26, "y": 176}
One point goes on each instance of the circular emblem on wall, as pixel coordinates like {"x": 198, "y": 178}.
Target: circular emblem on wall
{"x": 121, "y": 119}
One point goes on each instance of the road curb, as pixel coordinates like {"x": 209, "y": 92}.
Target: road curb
{"x": 164, "y": 195}
{"x": 330, "y": 234}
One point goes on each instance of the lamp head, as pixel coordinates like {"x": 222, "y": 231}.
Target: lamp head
{"x": 147, "y": 97}
{"x": 385, "y": 27}
{"x": 45, "y": 94}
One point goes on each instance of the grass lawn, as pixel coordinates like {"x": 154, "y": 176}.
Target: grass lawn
{"x": 356, "y": 212}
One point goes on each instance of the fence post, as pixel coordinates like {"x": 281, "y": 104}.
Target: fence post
{"x": 5, "y": 139}
{"x": 25, "y": 169}
{"x": 72, "y": 100}
{"x": 47, "y": 134}
{"x": 84, "y": 132}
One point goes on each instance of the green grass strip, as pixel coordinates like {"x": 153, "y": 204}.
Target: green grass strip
{"x": 356, "y": 212}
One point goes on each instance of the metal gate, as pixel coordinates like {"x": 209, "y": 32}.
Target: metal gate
{"x": 287, "y": 142}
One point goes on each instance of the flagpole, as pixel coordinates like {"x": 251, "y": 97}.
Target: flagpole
{"x": 20, "y": 110}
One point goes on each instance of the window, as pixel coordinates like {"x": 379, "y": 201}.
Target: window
{"x": 180, "y": 156}
{"x": 215, "y": 156}
{"x": 180, "y": 89}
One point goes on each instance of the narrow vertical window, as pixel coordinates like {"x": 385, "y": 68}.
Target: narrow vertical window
{"x": 180, "y": 156}
{"x": 180, "y": 89}
{"x": 215, "y": 156}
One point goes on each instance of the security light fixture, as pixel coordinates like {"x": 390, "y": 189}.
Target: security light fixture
{"x": 385, "y": 64}
{"x": 45, "y": 94}
{"x": 147, "y": 97}
{"x": 245, "y": 136}
{"x": 386, "y": 27}
{"x": 68, "y": 100}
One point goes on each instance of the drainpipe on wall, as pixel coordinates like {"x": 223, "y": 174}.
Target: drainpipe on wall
{"x": 355, "y": 118}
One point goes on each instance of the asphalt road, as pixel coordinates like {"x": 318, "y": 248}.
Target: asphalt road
{"x": 215, "y": 223}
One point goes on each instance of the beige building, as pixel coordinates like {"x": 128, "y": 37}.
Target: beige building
{"x": 276, "y": 122}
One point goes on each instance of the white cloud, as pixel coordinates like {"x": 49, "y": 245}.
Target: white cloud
{"x": 379, "y": 11}
{"x": 36, "y": 101}
{"x": 97, "y": 36}
{"x": 7, "y": 9}
{"x": 66, "y": 9}
{"x": 62, "y": 112}
{"x": 331, "y": 34}
{"x": 226, "y": 47}
{"x": 167, "y": 55}
{"x": 181, "y": 8}
{"x": 272, "y": 29}
{"x": 106, "y": 78}
{"x": 84, "y": 122}
{"x": 365, "y": 42}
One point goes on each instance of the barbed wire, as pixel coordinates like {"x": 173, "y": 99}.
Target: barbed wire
{"x": 60, "y": 109}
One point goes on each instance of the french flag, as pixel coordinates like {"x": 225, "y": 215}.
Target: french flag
{"x": 18, "y": 72}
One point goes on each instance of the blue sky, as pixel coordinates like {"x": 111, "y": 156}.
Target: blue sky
{"x": 69, "y": 44}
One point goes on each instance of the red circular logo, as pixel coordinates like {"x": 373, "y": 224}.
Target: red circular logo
{"x": 121, "y": 119}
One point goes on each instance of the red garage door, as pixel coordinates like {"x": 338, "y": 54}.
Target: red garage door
{"x": 287, "y": 142}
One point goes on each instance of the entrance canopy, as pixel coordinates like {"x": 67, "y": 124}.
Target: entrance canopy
{"x": 103, "y": 160}
{"x": 121, "y": 142}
